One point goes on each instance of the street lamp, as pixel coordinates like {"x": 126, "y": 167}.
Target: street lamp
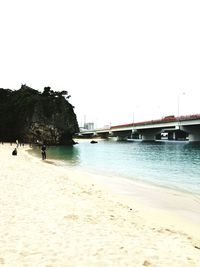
{"x": 133, "y": 121}
{"x": 132, "y": 127}
{"x": 178, "y": 106}
{"x": 178, "y": 101}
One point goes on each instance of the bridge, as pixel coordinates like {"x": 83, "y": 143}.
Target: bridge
{"x": 173, "y": 128}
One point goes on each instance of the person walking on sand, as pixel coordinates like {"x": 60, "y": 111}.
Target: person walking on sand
{"x": 43, "y": 150}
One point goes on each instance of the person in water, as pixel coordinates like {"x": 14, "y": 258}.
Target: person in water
{"x": 43, "y": 150}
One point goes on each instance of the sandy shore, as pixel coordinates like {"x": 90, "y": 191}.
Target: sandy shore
{"x": 54, "y": 217}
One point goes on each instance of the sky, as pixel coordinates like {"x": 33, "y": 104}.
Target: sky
{"x": 121, "y": 61}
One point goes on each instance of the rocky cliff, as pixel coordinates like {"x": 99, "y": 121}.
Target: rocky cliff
{"x": 30, "y": 116}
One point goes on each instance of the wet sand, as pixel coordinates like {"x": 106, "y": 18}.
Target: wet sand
{"x": 52, "y": 216}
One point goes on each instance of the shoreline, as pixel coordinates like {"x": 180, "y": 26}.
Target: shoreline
{"x": 157, "y": 196}
{"x": 181, "y": 203}
{"x": 53, "y": 216}
{"x": 140, "y": 178}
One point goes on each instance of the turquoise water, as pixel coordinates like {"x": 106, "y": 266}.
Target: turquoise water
{"x": 174, "y": 165}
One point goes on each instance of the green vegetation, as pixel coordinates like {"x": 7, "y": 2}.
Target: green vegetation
{"x": 29, "y": 115}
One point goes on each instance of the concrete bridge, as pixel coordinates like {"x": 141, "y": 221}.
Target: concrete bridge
{"x": 173, "y": 128}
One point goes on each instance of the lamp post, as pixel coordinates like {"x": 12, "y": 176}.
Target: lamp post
{"x": 132, "y": 127}
{"x": 178, "y": 102}
{"x": 133, "y": 119}
{"x": 178, "y": 106}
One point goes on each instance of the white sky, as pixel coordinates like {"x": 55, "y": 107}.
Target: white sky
{"x": 114, "y": 57}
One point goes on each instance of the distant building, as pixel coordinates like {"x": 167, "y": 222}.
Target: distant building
{"x": 89, "y": 125}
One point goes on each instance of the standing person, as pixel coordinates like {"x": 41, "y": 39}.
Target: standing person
{"x": 43, "y": 150}
{"x": 17, "y": 143}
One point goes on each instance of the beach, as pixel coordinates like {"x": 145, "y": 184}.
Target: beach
{"x": 55, "y": 217}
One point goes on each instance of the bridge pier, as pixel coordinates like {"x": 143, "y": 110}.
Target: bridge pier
{"x": 150, "y": 134}
{"x": 171, "y": 136}
{"x": 193, "y": 131}
{"x": 195, "y": 137}
{"x": 177, "y": 135}
{"x": 148, "y": 137}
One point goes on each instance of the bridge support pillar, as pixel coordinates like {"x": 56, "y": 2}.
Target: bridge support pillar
{"x": 177, "y": 135}
{"x": 194, "y": 137}
{"x": 193, "y": 131}
{"x": 171, "y": 136}
{"x": 150, "y": 135}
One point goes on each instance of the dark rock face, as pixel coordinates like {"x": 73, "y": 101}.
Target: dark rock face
{"x": 31, "y": 116}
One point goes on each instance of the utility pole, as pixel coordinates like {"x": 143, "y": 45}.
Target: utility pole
{"x": 178, "y": 107}
{"x": 84, "y": 121}
{"x": 178, "y": 102}
{"x": 132, "y": 127}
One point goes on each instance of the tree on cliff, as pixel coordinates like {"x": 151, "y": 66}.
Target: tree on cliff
{"x": 48, "y": 92}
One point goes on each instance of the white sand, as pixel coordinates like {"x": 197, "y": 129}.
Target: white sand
{"x": 54, "y": 217}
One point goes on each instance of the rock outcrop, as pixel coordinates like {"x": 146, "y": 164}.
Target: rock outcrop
{"x": 31, "y": 116}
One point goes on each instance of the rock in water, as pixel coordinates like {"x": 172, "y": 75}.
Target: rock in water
{"x": 93, "y": 142}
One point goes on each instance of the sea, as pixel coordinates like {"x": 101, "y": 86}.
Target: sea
{"x": 170, "y": 164}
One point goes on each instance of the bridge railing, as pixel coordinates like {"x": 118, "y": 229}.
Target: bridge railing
{"x": 163, "y": 120}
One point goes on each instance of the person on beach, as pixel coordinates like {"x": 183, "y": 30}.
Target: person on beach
{"x": 14, "y": 153}
{"x": 17, "y": 143}
{"x": 43, "y": 150}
